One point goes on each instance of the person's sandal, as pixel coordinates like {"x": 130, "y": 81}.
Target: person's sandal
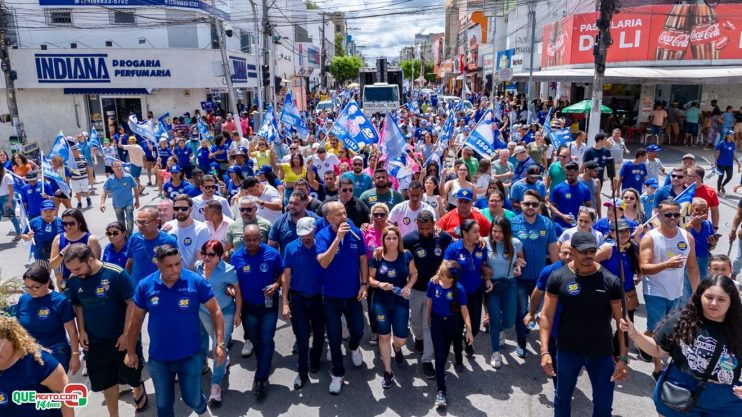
{"x": 141, "y": 403}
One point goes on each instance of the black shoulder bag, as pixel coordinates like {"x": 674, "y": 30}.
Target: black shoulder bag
{"x": 682, "y": 399}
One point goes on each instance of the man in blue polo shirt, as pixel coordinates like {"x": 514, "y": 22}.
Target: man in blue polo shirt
{"x": 342, "y": 255}
{"x": 259, "y": 270}
{"x": 33, "y": 193}
{"x": 140, "y": 255}
{"x": 172, "y": 297}
{"x": 532, "y": 181}
{"x": 567, "y": 197}
{"x": 304, "y": 306}
{"x": 125, "y": 195}
{"x": 43, "y": 230}
{"x": 539, "y": 239}
{"x": 283, "y": 230}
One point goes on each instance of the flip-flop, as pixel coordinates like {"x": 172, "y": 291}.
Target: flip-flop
{"x": 142, "y": 402}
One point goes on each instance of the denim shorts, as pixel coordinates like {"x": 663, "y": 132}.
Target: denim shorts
{"x": 392, "y": 313}
{"x": 658, "y": 308}
{"x": 135, "y": 171}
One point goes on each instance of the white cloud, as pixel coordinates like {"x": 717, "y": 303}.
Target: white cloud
{"x": 396, "y": 25}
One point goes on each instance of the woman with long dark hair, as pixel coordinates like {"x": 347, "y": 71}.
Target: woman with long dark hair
{"x": 75, "y": 231}
{"x": 115, "y": 251}
{"x": 505, "y": 259}
{"x": 704, "y": 340}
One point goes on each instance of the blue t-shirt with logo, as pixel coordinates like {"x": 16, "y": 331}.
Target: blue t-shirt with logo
{"x": 633, "y": 175}
{"x": 204, "y": 161}
{"x": 394, "y": 272}
{"x": 44, "y": 233}
{"x": 536, "y": 238}
{"x": 171, "y": 191}
{"x": 27, "y": 375}
{"x": 726, "y": 153}
{"x": 120, "y": 189}
{"x": 471, "y": 264}
{"x": 184, "y": 156}
{"x": 112, "y": 256}
{"x": 361, "y": 182}
{"x": 174, "y": 326}
{"x": 443, "y": 297}
{"x": 341, "y": 278}
{"x": 305, "y": 269}
{"x": 255, "y": 272}
{"x": 44, "y": 317}
{"x": 568, "y": 198}
{"x": 283, "y": 230}
{"x": 142, "y": 253}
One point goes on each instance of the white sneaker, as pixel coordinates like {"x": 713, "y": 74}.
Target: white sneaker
{"x": 496, "y": 360}
{"x": 216, "y": 394}
{"x": 336, "y": 385}
{"x": 357, "y": 357}
{"x": 246, "y": 349}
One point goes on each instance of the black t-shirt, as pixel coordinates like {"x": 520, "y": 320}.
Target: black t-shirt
{"x": 585, "y": 324}
{"x": 598, "y": 155}
{"x": 428, "y": 255}
{"x": 356, "y": 210}
{"x": 695, "y": 359}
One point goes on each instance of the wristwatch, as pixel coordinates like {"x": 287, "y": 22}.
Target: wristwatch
{"x": 222, "y": 345}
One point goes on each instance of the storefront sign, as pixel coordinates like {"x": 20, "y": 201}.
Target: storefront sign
{"x": 650, "y": 32}
{"x": 202, "y": 6}
{"x": 239, "y": 69}
{"x": 93, "y": 68}
{"x": 505, "y": 58}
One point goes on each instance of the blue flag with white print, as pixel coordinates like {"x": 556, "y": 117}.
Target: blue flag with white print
{"x": 290, "y": 116}
{"x": 482, "y": 138}
{"x": 203, "y": 130}
{"x": 51, "y": 175}
{"x": 94, "y": 139}
{"x": 560, "y": 137}
{"x": 353, "y": 128}
{"x": 143, "y": 129}
{"x": 62, "y": 148}
{"x": 394, "y": 140}
{"x": 164, "y": 120}
{"x": 269, "y": 128}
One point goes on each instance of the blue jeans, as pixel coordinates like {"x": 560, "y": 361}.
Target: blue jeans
{"x": 658, "y": 308}
{"x": 444, "y": 331}
{"x": 218, "y": 371}
{"x": 715, "y": 399}
{"x": 391, "y": 313}
{"x": 126, "y": 216}
{"x": 260, "y": 325}
{"x": 599, "y": 369}
{"x": 188, "y": 371}
{"x": 501, "y": 305}
{"x": 523, "y": 294}
{"x": 353, "y": 311}
{"x": 63, "y": 353}
{"x": 13, "y": 219}
{"x": 307, "y": 319}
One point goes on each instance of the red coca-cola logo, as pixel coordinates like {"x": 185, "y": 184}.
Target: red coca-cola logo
{"x": 558, "y": 45}
{"x": 673, "y": 40}
{"x": 703, "y": 34}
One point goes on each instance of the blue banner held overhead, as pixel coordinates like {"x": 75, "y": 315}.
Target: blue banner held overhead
{"x": 203, "y": 130}
{"x": 51, "y": 175}
{"x": 143, "y": 129}
{"x": 94, "y": 139}
{"x": 62, "y": 148}
{"x": 353, "y": 128}
{"x": 394, "y": 140}
{"x": 482, "y": 138}
{"x": 290, "y": 116}
{"x": 560, "y": 137}
{"x": 269, "y": 128}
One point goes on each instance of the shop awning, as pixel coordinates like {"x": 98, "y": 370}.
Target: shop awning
{"x": 110, "y": 91}
{"x": 639, "y": 75}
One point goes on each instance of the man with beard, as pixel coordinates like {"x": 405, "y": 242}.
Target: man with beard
{"x": 381, "y": 193}
{"x": 191, "y": 234}
{"x": 361, "y": 180}
{"x": 403, "y": 214}
{"x": 567, "y": 197}
{"x": 356, "y": 210}
{"x": 283, "y": 230}
{"x": 208, "y": 187}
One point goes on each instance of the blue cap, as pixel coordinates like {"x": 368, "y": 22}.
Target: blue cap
{"x": 653, "y": 148}
{"x": 652, "y": 182}
{"x": 233, "y": 168}
{"x": 175, "y": 169}
{"x": 48, "y": 205}
{"x": 465, "y": 194}
{"x": 265, "y": 169}
{"x": 729, "y": 132}
{"x": 467, "y": 128}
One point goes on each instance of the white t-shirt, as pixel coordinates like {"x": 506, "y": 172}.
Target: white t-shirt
{"x": 654, "y": 168}
{"x": 567, "y": 235}
{"x": 405, "y": 218}
{"x": 242, "y": 143}
{"x": 136, "y": 154}
{"x": 328, "y": 164}
{"x": 190, "y": 239}
{"x": 617, "y": 152}
{"x": 5, "y": 182}
{"x": 270, "y": 194}
{"x": 199, "y": 205}
{"x": 576, "y": 151}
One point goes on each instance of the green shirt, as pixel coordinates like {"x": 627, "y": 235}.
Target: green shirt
{"x": 473, "y": 165}
{"x": 536, "y": 152}
{"x": 508, "y": 214}
{"x": 235, "y": 231}
{"x": 557, "y": 174}
{"x": 391, "y": 198}
{"x": 499, "y": 169}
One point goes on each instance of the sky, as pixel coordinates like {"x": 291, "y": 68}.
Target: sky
{"x": 384, "y": 27}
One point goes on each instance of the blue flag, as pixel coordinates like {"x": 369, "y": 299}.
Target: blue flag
{"x": 62, "y": 148}
{"x": 161, "y": 131}
{"x": 143, "y": 129}
{"x": 94, "y": 139}
{"x": 269, "y": 129}
{"x": 353, "y": 128}
{"x": 290, "y": 116}
{"x": 164, "y": 120}
{"x": 51, "y": 175}
{"x": 394, "y": 140}
{"x": 560, "y": 137}
{"x": 482, "y": 138}
{"x": 203, "y": 130}
{"x": 18, "y": 183}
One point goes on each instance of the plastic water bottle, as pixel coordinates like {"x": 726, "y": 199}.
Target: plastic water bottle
{"x": 397, "y": 291}
{"x": 268, "y": 300}
{"x": 532, "y": 324}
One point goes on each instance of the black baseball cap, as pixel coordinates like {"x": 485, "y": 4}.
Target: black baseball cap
{"x": 583, "y": 241}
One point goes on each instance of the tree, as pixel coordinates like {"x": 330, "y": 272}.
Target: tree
{"x": 339, "y": 44}
{"x": 414, "y": 64}
{"x": 345, "y": 68}
{"x": 311, "y": 5}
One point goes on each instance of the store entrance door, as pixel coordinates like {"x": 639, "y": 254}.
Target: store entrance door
{"x": 122, "y": 107}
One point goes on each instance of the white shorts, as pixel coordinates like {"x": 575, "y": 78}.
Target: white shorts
{"x": 79, "y": 186}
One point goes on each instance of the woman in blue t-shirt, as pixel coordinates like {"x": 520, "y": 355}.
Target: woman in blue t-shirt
{"x": 724, "y": 157}
{"x": 505, "y": 259}
{"x": 115, "y": 251}
{"x": 48, "y": 316}
{"x": 447, "y": 309}
{"x": 25, "y": 366}
{"x": 392, "y": 275}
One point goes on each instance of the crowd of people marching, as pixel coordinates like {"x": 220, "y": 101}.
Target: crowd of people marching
{"x": 244, "y": 231}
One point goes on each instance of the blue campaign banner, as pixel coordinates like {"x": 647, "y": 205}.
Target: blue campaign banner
{"x": 482, "y": 138}
{"x": 560, "y": 137}
{"x": 290, "y": 116}
{"x": 353, "y": 128}
{"x": 203, "y": 6}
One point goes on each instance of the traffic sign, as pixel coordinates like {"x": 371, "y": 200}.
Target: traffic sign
{"x": 505, "y": 74}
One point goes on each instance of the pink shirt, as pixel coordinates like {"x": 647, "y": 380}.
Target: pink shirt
{"x": 372, "y": 239}
{"x": 220, "y": 232}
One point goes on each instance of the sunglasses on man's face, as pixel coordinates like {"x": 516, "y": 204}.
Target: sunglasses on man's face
{"x": 530, "y": 204}
{"x": 247, "y": 209}
{"x": 180, "y": 208}
{"x": 672, "y": 215}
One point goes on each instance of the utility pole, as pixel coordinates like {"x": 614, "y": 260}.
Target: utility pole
{"x": 322, "y": 56}
{"x": 10, "y": 76}
{"x": 532, "y": 16}
{"x": 225, "y": 64}
{"x": 600, "y": 50}
{"x": 256, "y": 28}
{"x": 267, "y": 42}
{"x": 463, "y": 73}
{"x": 493, "y": 92}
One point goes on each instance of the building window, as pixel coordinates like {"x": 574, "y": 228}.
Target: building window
{"x": 58, "y": 17}
{"x": 337, "y": 28}
{"x": 246, "y": 40}
{"x": 122, "y": 17}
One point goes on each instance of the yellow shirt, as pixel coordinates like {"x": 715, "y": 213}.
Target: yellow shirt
{"x": 335, "y": 150}
{"x": 262, "y": 158}
{"x": 289, "y": 176}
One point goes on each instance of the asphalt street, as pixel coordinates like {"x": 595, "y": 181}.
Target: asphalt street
{"x": 519, "y": 388}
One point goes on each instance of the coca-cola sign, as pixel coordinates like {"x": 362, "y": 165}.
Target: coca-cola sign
{"x": 653, "y": 31}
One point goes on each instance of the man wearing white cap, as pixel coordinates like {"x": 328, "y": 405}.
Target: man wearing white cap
{"x": 302, "y": 298}
{"x": 524, "y": 161}
{"x": 361, "y": 180}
